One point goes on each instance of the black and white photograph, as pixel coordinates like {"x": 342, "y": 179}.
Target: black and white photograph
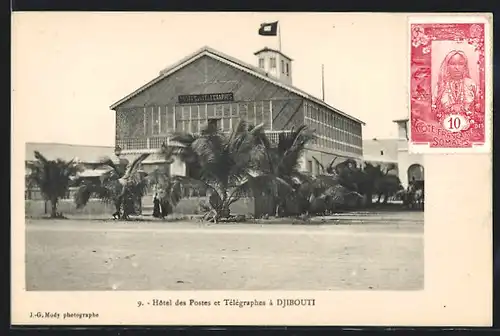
{"x": 220, "y": 152}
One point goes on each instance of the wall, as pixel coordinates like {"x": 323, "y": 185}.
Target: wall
{"x": 334, "y": 130}
{"x": 322, "y": 156}
{"x": 288, "y": 113}
{"x": 405, "y": 160}
{"x": 36, "y": 208}
{"x": 381, "y": 150}
{"x": 188, "y": 206}
{"x": 206, "y": 75}
{"x": 279, "y": 71}
{"x": 178, "y": 167}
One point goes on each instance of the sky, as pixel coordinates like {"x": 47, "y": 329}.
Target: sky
{"x": 68, "y": 68}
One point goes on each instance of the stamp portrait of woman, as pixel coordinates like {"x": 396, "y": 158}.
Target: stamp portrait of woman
{"x": 456, "y": 92}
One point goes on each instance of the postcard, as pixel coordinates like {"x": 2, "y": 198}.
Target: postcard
{"x": 251, "y": 169}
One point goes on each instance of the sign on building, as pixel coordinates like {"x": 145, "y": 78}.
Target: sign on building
{"x": 206, "y": 98}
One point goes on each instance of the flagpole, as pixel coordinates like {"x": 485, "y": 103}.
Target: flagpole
{"x": 323, "y": 81}
{"x": 279, "y": 37}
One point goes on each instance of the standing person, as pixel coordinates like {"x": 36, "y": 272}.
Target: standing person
{"x": 156, "y": 206}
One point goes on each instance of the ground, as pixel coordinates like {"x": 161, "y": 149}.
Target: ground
{"x": 381, "y": 251}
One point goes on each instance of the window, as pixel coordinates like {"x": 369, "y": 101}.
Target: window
{"x": 310, "y": 166}
{"x": 287, "y": 70}
{"x": 214, "y": 123}
{"x": 251, "y": 114}
{"x": 259, "y": 118}
{"x": 381, "y": 152}
{"x": 272, "y": 63}
{"x": 267, "y": 115}
{"x": 210, "y": 111}
{"x": 282, "y": 66}
{"x": 155, "y": 113}
{"x": 218, "y": 111}
{"x": 402, "y": 131}
{"x": 261, "y": 63}
{"x": 243, "y": 107}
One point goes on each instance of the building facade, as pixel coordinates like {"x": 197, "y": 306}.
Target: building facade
{"x": 211, "y": 87}
{"x": 89, "y": 157}
{"x": 382, "y": 152}
{"x": 411, "y": 166}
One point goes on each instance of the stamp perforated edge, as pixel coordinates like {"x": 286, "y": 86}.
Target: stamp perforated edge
{"x": 487, "y": 19}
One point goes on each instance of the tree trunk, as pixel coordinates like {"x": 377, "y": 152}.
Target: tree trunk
{"x": 379, "y": 197}
{"x": 53, "y": 211}
{"x": 386, "y": 198}
{"x": 223, "y": 210}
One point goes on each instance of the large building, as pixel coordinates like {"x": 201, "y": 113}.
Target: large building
{"x": 211, "y": 87}
{"x": 411, "y": 166}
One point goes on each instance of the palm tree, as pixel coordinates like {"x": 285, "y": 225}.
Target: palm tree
{"x": 331, "y": 188}
{"x": 356, "y": 179}
{"x": 53, "y": 177}
{"x": 277, "y": 168}
{"x": 368, "y": 180}
{"x": 168, "y": 189}
{"x": 386, "y": 184}
{"x": 120, "y": 185}
{"x": 223, "y": 162}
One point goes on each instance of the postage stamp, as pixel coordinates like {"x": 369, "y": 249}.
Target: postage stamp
{"x": 450, "y": 84}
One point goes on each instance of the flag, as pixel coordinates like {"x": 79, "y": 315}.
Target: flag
{"x": 268, "y": 29}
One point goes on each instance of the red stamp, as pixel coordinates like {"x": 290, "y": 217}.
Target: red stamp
{"x": 450, "y": 84}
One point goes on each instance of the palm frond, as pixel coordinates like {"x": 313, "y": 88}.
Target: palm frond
{"x": 331, "y": 167}
{"x": 291, "y": 148}
{"x": 390, "y": 167}
{"x": 106, "y": 161}
{"x": 41, "y": 158}
{"x": 238, "y": 130}
{"x": 84, "y": 193}
{"x": 157, "y": 176}
{"x": 319, "y": 164}
{"x": 325, "y": 181}
{"x": 134, "y": 166}
{"x": 186, "y": 182}
{"x": 167, "y": 152}
{"x": 254, "y": 186}
{"x": 185, "y": 139}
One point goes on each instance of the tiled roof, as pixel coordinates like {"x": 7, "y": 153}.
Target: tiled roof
{"x": 84, "y": 153}
{"x": 234, "y": 62}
